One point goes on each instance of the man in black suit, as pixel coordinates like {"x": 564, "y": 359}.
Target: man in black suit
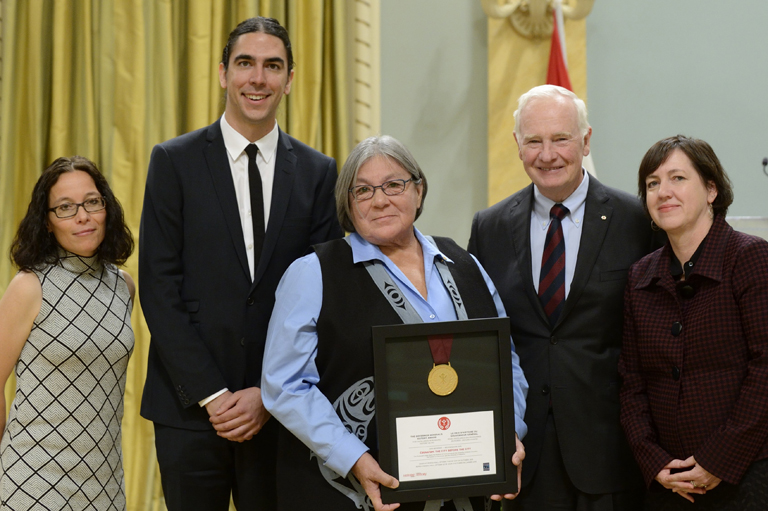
{"x": 222, "y": 220}
{"x": 566, "y": 315}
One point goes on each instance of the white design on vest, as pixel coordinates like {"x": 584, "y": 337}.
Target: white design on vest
{"x": 356, "y": 408}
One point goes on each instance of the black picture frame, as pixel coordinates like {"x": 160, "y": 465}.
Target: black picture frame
{"x": 481, "y": 356}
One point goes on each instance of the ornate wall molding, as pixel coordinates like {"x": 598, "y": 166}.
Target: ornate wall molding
{"x": 366, "y": 110}
{"x": 533, "y": 18}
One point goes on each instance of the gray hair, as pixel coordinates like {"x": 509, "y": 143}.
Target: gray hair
{"x": 387, "y": 147}
{"x": 553, "y": 91}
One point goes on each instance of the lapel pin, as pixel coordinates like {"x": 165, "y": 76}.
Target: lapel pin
{"x": 603, "y": 217}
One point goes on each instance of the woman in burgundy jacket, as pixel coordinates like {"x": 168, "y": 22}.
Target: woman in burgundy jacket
{"x": 694, "y": 401}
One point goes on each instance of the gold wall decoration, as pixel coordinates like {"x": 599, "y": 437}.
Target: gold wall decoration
{"x": 515, "y": 65}
{"x": 533, "y": 18}
{"x": 367, "y": 82}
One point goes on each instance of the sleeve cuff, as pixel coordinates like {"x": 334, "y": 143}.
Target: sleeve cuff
{"x": 521, "y": 428}
{"x": 345, "y": 454}
{"x": 210, "y": 398}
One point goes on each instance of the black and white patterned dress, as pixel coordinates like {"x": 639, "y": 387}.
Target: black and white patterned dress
{"x": 61, "y": 449}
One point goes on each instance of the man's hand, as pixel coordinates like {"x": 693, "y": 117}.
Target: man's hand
{"x": 238, "y": 416}
{"x": 367, "y": 471}
{"x": 517, "y": 460}
{"x": 214, "y": 405}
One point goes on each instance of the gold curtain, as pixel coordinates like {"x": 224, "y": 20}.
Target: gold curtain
{"x": 109, "y": 80}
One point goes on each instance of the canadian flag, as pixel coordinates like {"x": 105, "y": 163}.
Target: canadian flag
{"x": 557, "y": 70}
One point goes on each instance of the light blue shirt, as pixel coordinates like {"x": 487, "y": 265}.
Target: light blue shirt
{"x": 572, "y": 224}
{"x": 290, "y": 375}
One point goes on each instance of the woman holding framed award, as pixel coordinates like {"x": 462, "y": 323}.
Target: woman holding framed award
{"x": 318, "y": 362}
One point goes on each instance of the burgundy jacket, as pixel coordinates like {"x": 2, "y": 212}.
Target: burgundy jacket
{"x": 694, "y": 361}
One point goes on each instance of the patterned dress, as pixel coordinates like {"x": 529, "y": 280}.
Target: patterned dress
{"x": 61, "y": 449}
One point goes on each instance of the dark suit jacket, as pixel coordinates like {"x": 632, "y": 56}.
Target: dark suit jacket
{"x": 573, "y": 364}
{"x": 208, "y": 321}
{"x": 701, "y": 388}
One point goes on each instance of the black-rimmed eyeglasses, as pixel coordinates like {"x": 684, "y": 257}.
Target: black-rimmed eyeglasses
{"x": 392, "y": 187}
{"x": 69, "y": 209}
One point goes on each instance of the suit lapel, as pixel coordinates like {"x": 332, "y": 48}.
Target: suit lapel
{"x": 218, "y": 165}
{"x": 597, "y": 217}
{"x": 285, "y": 168}
{"x": 520, "y": 212}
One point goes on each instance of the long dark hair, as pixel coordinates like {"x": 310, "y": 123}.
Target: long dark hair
{"x": 34, "y": 246}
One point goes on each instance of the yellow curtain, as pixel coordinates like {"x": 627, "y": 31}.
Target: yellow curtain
{"x": 109, "y": 80}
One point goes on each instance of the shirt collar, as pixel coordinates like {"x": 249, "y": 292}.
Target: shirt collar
{"x": 365, "y": 251}
{"x": 709, "y": 263}
{"x": 542, "y": 205}
{"x": 677, "y": 268}
{"x": 236, "y": 143}
{"x": 79, "y": 264}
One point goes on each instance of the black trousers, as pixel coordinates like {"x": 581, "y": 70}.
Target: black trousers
{"x": 552, "y": 490}
{"x": 200, "y": 470}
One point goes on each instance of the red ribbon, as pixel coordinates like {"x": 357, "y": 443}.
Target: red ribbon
{"x": 440, "y": 346}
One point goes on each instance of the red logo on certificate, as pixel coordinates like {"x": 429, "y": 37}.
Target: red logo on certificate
{"x": 443, "y": 423}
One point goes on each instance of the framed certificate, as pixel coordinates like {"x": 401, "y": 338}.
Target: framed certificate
{"x": 445, "y": 432}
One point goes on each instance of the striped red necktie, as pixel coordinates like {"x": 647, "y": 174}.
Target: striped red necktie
{"x": 552, "y": 277}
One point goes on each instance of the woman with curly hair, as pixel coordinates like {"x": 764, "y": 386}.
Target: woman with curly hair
{"x": 65, "y": 328}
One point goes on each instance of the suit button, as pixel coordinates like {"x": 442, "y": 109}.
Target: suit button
{"x": 675, "y": 373}
{"x": 553, "y": 340}
{"x": 545, "y": 389}
{"x": 677, "y": 327}
{"x": 250, "y": 300}
{"x": 242, "y": 341}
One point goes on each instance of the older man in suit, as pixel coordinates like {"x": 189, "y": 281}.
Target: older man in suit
{"x": 559, "y": 251}
{"x": 227, "y": 209}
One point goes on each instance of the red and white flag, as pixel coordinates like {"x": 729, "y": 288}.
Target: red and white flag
{"x": 557, "y": 70}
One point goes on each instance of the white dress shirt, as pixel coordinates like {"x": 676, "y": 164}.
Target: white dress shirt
{"x": 238, "y": 163}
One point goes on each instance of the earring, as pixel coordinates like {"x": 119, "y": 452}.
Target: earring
{"x": 654, "y": 226}
{"x": 711, "y": 211}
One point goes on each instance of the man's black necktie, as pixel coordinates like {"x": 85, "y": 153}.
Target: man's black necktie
{"x": 552, "y": 277}
{"x": 257, "y": 204}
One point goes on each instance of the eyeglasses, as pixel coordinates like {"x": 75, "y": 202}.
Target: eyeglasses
{"x": 392, "y": 187}
{"x": 69, "y": 209}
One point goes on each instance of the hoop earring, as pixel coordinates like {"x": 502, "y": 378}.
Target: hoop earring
{"x": 654, "y": 227}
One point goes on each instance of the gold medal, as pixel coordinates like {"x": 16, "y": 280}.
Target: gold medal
{"x": 442, "y": 379}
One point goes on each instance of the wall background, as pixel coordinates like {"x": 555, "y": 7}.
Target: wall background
{"x": 657, "y": 68}
{"x": 434, "y": 99}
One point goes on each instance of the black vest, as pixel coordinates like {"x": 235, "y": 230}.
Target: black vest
{"x": 351, "y": 305}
